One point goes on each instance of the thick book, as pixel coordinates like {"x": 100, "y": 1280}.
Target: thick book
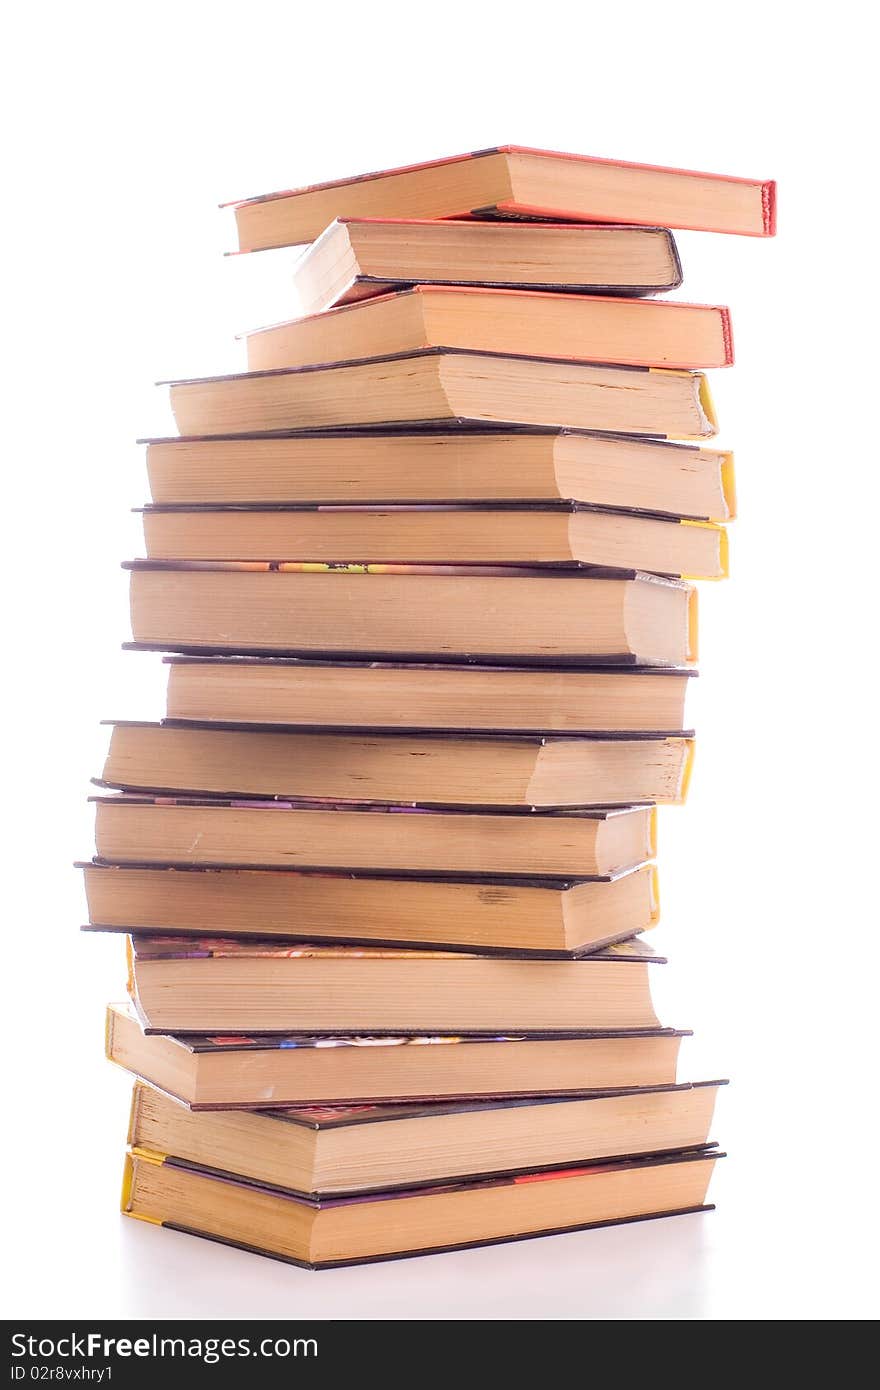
{"x": 357, "y": 258}
{"x": 514, "y": 181}
{"x": 548, "y": 917}
{"x": 429, "y": 613}
{"x": 291, "y": 692}
{"x": 522, "y": 323}
{"x": 216, "y": 985}
{"x": 357, "y": 467}
{"x": 442, "y": 386}
{"x": 237, "y": 1071}
{"x": 559, "y": 537}
{"x": 339, "y": 1151}
{"x": 131, "y": 829}
{"x": 398, "y": 769}
{"x": 338, "y": 1231}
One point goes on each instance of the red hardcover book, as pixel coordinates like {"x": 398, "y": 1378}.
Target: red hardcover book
{"x": 514, "y": 181}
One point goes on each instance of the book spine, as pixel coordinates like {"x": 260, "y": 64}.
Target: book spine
{"x": 134, "y": 1114}
{"x": 728, "y": 483}
{"x": 693, "y": 626}
{"x": 654, "y": 894}
{"x": 687, "y": 770}
{"x": 707, "y": 403}
{"x": 727, "y": 335}
{"x": 127, "y": 1183}
{"x": 723, "y": 550}
{"x": 109, "y": 1021}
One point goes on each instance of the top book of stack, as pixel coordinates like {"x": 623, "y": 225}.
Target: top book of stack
{"x": 515, "y": 182}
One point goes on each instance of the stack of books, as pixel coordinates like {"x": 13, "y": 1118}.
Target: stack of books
{"x": 423, "y": 574}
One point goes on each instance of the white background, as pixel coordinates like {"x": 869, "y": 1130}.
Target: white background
{"x": 127, "y": 125}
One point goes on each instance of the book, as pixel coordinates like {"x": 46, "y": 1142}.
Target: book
{"x": 425, "y": 534}
{"x": 442, "y": 386}
{"x": 550, "y": 917}
{"x": 217, "y": 985}
{"x": 478, "y": 465}
{"x": 428, "y": 613}
{"x": 515, "y": 181}
{"x": 357, "y": 258}
{"x": 132, "y": 829}
{"x": 290, "y": 692}
{"x": 519, "y": 323}
{"x": 396, "y": 768}
{"x": 339, "y": 1151}
{"x": 236, "y": 1071}
{"x": 340, "y": 1231}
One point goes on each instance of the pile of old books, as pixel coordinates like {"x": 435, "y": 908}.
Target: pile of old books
{"x": 386, "y": 865}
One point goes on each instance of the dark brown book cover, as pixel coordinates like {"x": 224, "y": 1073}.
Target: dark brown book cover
{"x": 569, "y": 661}
{"x": 175, "y": 659}
{"x": 362, "y": 808}
{"x": 535, "y": 739}
{"x": 403, "y": 730}
{"x": 557, "y": 505}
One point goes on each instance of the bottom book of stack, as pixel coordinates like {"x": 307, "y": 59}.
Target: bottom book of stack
{"x": 231, "y": 1149}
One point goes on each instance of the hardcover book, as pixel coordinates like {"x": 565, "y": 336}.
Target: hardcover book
{"x": 335, "y": 1231}
{"x": 442, "y": 387}
{"x": 141, "y": 829}
{"x": 514, "y": 181}
{"x": 546, "y": 917}
{"x": 394, "y": 768}
{"x": 358, "y": 258}
{"x": 216, "y": 985}
{"x": 300, "y": 693}
{"x": 500, "y": 613}
{"x": 232, "y": 1071}
{"x": 520, "y": 323}
{"x": 559, "y": 537}
{"x": 475, "y": 465}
